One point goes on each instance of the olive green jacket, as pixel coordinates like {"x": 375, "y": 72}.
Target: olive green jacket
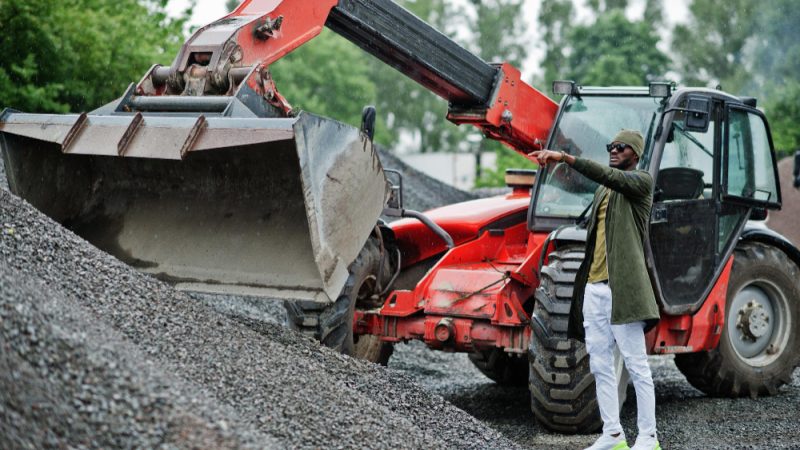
{"x": 627, "y": 220}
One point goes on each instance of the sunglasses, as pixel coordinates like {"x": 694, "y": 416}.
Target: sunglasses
{"x": 619, "y": 147}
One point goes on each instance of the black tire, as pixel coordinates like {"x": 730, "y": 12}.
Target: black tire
{"x": 563, "y": 396}
{"x": 725, "y": 371}
{"x": 499, "y": 366}
{"x": 332, "y": 324}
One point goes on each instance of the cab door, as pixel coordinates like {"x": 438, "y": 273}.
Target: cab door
{"x": 749, "y": 171}
{"x": 684, "y": 225}
{"x": 707, "y": 184}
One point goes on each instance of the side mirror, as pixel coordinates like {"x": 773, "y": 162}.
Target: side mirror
{"x": 758, "y": 214}
{"x": 368, "y": 115}
{"x": 565, "y": 87}
{"x": 698, "y": 113}
{"x": 394, "y": 206}
{"x": 797, "y": 169}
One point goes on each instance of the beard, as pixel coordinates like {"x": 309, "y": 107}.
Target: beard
{"x": 623, "y": 164}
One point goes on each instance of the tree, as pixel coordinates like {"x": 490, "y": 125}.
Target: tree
{"x": 776, "y": 65}
{"x": 406, "y": 108}
{"x": 784, "y": 115}
{"x": 750, "y": 48}
{"x": 409, "y": 109}
{"x": 79, "y": 54}
{"x": 499, "y": 32}
{"x": 328, "y": 76}
{"x": 555, "y": 21}
{"x": 712, "y": 47}
{"x": 608, "y": 50}
{"x": 506, "y": 159}
{"x": 615, "y": 51}
{"x": 500, "y": 38}
{"x": 653, "y": 14}
{"x": 601, "y": 6}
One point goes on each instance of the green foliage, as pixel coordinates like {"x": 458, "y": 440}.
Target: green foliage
{"x": 407, "y": 108}
{"x": 506, "y": 159}
{"x": 653, "y": 13}
{"x": 230, "y": 5}
{"x": 404, "y": 107}
{"x": 750, "y": 48}
{"x": 601, "y": 6}
{"x": 76, "y": 55}
{"x": 776, "y": 66}
{"x": 499, "y": 31}
{"x": 784, "y": 116}
{"x": 777, "y": 44}
{"x": 328, "y": 76}
{"x": 711, "y": 48}
{"x": 589, "y": 53}
{"x": 555, "y": 21}
{"x": 613, "y": 51}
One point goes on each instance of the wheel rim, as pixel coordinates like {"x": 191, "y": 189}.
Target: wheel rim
{"x": 758, "y": 323}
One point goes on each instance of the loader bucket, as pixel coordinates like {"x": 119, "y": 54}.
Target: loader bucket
{"x": 247, "y": 206}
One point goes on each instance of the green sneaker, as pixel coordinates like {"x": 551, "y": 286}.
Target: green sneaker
{"x": 646, "y": 443}
{"x": 623, "y": 445}
{"x": 606, "y": 442}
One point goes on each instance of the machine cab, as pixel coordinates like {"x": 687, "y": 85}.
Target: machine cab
{"x": 714, "y": 167}
{"x": 713, "y": 163}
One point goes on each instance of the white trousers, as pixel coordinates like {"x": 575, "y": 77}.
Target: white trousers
{"x": 600, "y": 339}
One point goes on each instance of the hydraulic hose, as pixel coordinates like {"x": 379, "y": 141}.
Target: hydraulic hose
{"x": 432, "y": 225}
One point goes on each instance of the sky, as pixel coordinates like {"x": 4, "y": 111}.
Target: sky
{"x": 207, "y": 11}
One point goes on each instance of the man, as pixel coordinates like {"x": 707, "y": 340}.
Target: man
{"x": 613, "y": 299}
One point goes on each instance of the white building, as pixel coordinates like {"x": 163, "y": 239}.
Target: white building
{"x": 456, "y": 169}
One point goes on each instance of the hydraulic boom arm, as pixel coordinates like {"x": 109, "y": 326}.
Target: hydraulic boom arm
{"x": 241, "y": 46}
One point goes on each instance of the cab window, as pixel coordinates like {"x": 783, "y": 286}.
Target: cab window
{"x": 748, "y": 168}
{"x": 687, "y": 164}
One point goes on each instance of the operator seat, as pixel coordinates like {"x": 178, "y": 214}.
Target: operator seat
{"x": 679, "y": 183}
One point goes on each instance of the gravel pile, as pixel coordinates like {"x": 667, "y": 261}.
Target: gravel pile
{"x": 263, "y": 382}
{"x": 67, "y": 380}
{"x": 96, "y": 355}
{"x": 421, "y": 192}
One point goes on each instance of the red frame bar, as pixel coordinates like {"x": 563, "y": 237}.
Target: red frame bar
{"x": 520, "y": 116}
{"x": 405, "y": 316}
{"x": 700, "y": 331}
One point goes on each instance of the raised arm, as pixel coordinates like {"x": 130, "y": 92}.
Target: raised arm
{"x": 630, "y": 183}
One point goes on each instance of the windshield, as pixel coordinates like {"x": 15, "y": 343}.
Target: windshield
{"x": 585, "y": 127}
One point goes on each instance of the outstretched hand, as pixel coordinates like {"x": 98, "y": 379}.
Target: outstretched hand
{"x": 546, "y": 156}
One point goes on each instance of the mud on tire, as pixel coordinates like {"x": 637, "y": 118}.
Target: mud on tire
{"x": 562, "y": 388}
{"x": 563, "y": 396}
{"x": 744, "y": 363}
{"x": 332, "y": 324}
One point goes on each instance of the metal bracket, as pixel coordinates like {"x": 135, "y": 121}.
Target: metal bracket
{"x": 659, "y": 214}
{"x": 127, "y": 137}
{"x": 73, "y": 132}
{"x": 194, "y": 133}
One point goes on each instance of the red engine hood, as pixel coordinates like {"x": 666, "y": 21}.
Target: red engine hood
{"x": 464, "y": 221}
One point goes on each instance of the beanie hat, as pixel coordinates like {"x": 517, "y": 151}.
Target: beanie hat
{"x": 632, "y": 138}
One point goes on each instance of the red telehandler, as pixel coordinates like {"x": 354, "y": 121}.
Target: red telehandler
{"x": 203, "y": 175}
